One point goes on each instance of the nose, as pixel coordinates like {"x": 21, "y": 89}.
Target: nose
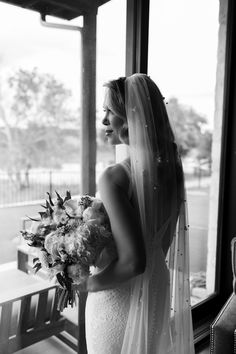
{"x": 105, "y": 121}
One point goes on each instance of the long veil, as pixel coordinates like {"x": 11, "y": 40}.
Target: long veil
{"x": 159, "y": 318}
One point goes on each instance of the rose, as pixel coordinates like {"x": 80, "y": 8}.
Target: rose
{"x": 73, "y": 209}
{"x": 91, "y": 214}
{"x": 51, "y": 244}
{"x": 97, "y": 204}
{"x": 72, "y": 241}
{"x": 60, "y": 216}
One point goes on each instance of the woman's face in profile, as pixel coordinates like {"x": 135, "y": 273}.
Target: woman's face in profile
{"x": 113, "y": 125}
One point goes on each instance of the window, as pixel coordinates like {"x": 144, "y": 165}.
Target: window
{"x": 183, "y": 61}
{"x": 39, "y": 120}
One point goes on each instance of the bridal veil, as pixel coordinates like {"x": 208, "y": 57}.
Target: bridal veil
{"x": 159, "y": 318}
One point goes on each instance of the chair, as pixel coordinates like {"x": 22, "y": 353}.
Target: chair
{"x": 74, "y": 330}
{"x": 27, "y": 314}
{"x": 28, "y": 311}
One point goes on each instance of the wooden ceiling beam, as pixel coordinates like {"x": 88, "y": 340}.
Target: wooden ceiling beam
{"x": 67, "y": 10}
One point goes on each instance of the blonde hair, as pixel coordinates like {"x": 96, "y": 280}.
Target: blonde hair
{"x": 115, "y": 96}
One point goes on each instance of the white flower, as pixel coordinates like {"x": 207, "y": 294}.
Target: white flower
{"x": 59, "y": 216}
{"x": 72, "y": 242}
{"x": 46, "y": 220}
{"x": 96, "y": 204}
{"x": 88, "y": 214}
{"x": 73, "y": 208}
{"x": 51, "y": 244}
{"x": 93, "y": 214}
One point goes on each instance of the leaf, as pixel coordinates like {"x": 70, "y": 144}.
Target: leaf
{"x": 69, "y": 216}
{"x": 48, "y": 206}
{"x": 38, "y": 267}
{"x": 42, "y": 214}
{"x": 60, "y": 279}
{"x": 59, "y": 198}
{"x": 50, "y": 199}
{"x": 35, "y": 243}
{"x": 32, "y": 218}
{"x": 68, "y": 196}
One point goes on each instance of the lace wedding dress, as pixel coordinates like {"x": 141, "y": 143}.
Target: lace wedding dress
{"x": 106, "y": 318}
{"x": 107, "y": 314}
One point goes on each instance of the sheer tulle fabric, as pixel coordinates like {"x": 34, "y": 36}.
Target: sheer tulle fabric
{"x": 159, "y": 319}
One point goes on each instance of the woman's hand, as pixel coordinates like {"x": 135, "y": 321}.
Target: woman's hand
{"x": 81, "y": 287}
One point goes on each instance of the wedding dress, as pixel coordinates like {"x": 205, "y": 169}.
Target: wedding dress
{"x": 151, "y": 313}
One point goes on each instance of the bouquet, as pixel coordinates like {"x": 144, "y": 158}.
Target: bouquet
{"x": 70, "y": 235}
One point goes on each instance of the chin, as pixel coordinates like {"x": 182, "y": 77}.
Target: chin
{"x": 114, "y": 141}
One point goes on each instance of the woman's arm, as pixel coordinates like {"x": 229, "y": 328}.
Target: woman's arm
{"x": 126, "y": 229}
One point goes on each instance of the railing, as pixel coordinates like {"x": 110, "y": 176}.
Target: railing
{"x": 33, "y": 185}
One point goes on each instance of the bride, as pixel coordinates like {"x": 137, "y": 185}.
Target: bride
{"x": 138, "y": 295}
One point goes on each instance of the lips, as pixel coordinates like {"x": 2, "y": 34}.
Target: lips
{"x": 108, "y": 131}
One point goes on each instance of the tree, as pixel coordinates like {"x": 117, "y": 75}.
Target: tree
{"x": 38, "y": 97}
{"x": 190, "y": 130}
{"x": 34, "y": 111}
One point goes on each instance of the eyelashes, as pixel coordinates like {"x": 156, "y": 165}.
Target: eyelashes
{"x": 107, "y": 110}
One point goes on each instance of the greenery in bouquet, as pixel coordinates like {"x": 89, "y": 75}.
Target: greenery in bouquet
{"x": 70, "y": 235}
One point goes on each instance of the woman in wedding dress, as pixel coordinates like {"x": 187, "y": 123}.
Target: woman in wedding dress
{"x": 138, "y": 295}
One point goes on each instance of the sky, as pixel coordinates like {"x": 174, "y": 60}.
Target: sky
{"x": 183, "y": 40}
{"x": 182, "y": 48}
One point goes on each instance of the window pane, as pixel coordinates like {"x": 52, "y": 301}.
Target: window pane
{"x": 39, "y": 118}
{"x": 111, "y": 36}
{"x": 183, "y": 61}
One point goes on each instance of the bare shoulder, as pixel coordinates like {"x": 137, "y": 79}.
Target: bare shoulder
{"x": 115, "y": 176}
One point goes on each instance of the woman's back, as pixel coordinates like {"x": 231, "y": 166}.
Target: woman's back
{"x": 107, "y": 310}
